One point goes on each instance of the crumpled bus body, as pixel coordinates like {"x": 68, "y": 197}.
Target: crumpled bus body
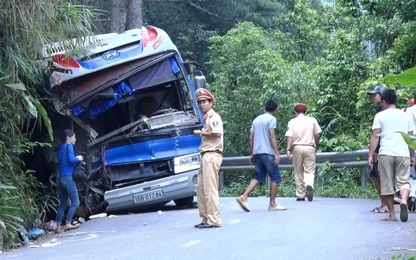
{"x": 133, "y": 98}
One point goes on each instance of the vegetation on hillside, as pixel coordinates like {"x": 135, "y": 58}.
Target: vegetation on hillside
{"x": 25, "y": 27}
{"x": 327, "y": 56}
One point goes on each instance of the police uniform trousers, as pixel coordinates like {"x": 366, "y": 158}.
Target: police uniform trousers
{"x": 208, "y": 185}
{"x": 304, "y": 165}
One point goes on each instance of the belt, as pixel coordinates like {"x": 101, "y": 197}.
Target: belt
{"x": 304, "y": 145}
{"x": 215, "y": 151}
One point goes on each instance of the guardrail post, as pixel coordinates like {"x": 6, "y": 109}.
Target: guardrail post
{"x": 318, "y": 178}
{"x": 364, "y": 177}
{"x": 221, "y": 179}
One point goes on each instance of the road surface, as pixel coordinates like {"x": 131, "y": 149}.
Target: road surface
{"x": 325, "y": 228}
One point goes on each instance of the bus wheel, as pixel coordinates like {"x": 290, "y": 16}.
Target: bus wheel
{"x": 184, "y": 201}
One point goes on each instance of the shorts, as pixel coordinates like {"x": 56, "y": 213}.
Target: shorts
{"x": 374, "y": 172}
{"x": 264, "y": 164}
{"x": 394, "y": 173}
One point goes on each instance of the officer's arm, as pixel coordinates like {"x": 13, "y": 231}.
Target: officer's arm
{"x": 316, "y": 137}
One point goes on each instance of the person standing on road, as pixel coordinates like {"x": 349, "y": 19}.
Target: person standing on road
{"x": 410, "y": 109}
{"x": 265, "y": 155}
{"x": 303, "y": 133}
{"x": 67, "y": 188}
{"x": 211, "y": 158}
{"x": 394, "y": 157}
{"x": 374, "y": 175}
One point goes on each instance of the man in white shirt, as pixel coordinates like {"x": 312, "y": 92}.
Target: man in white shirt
{"x": 394, "y": 156}
{"x": 410, "y": 109}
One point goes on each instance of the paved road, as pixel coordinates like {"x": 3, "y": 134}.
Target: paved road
{"x": 323, "y": 229}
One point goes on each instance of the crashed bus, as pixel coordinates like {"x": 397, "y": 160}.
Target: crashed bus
{"x": 133, "y": 97}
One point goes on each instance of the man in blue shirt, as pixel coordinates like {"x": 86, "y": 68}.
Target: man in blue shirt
{"x": 265, "y": 155}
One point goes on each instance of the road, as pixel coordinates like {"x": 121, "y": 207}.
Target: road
{"x": 326, "y": 228}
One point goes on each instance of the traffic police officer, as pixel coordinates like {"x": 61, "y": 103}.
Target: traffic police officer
{"x": 211, "y": 158}
{"x": 303, "y": 133}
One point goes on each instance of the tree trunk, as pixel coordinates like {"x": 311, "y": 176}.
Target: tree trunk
{"x": 134, "y": 14}
{"x": 118, "y": 16}
{"x": 99, "y": 24}
{"x": 124, "y": 14}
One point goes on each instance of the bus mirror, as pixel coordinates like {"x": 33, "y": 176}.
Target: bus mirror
{"x": 191, "y": 66}
{"x": 199, "y": 80}
{"x": 188, "y": 67}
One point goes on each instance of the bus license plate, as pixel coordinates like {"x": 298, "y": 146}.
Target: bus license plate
{"x": 147, "y": 196}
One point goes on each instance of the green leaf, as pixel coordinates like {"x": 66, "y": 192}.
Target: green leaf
{"x": 44, "y": 115}
{"x": 406, "y": 78}
{"x": 16, "y": 86}
{"x": 2, "y": 225}
{"x": 29, "y": 105}
{"x": 6, "y": 187}
{"x": 409, "y": 139}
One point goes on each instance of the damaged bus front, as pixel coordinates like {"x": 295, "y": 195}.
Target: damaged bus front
{"x": 134, "y": 97}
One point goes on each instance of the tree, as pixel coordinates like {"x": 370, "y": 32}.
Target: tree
{"x": 125, "y": 15}
{"x": 338, "y": 79}
{"x": 26, "y": 26}
{"x": 134, "y": 14}
{"x": 248, "y": 69}
{"x": 191, "y": 23}
{"x": 306, "y": 27}
{"x": 118, "y": 16}
{"x": 388, "y": 27}
{"x": 100, "y": 23}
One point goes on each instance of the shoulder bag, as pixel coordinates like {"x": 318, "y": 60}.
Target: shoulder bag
{"x": 78, "y": 174}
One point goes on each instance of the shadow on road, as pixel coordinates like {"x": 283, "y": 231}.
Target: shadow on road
{"x": 163, "y": 207}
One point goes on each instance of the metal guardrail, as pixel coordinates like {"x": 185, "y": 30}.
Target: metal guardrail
{"x": 351, "y": 159}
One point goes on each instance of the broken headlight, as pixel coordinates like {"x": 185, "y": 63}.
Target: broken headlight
{"x": 187, "y": 163}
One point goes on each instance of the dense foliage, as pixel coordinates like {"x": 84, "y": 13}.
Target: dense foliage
{"x": 330, "y": 54}
{"x": 327, "y": 54}
{"x": 334, "y": 183}
{"x": 25, "y": 27}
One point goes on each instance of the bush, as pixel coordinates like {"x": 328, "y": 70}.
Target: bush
{"x": 236, "y": 188}
{"x": 21, "y": 205}
{"x": 329, "y": 182}
{"x": 20, "y": 200}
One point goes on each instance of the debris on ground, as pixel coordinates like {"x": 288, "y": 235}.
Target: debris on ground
{"x": 23, "y": 235}
{"x": 36, "y": 233}
{"x": 398, "y": 248}
{"x": 101, "y": 215}
{"x": 50, "y": 226}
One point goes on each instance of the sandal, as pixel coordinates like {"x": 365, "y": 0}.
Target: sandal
{"x": 380, "y": 210}
{"x": 375, "y": 210}
{"x": 403, "y": 212}
{"x": 243, "y": 204}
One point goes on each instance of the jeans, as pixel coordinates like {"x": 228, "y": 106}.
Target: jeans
{"x": 67, "y": 190}
{"x": 264, "y": 164}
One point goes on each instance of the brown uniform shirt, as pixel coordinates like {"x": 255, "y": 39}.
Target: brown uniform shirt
{"x": 212, "y": 123}
{"x": 303, "y": 129}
